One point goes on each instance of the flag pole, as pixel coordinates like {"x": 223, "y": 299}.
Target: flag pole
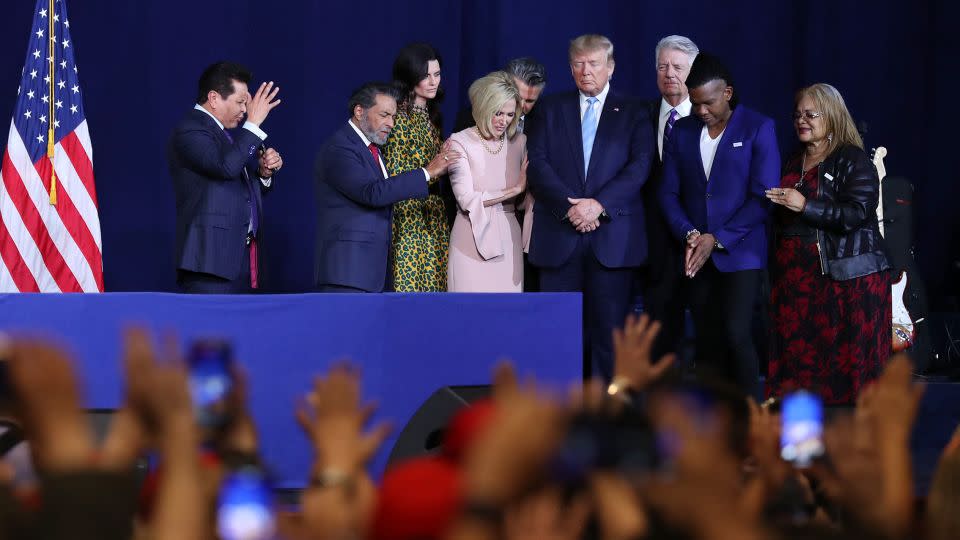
{"x": 51, "y": 132}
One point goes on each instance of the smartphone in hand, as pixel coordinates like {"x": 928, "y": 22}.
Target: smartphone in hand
{"x": 801, "y": 435}
{"x": 211, "y": 380}
{"x": 245, "y": 508}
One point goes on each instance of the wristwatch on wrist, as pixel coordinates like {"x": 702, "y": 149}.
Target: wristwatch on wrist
{"x": 716, "y": 243}
{"x": 332, "y": 478}
{"x": 618, "y": 388}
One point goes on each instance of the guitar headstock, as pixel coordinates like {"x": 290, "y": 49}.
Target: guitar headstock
{"x": 877, "y": 157}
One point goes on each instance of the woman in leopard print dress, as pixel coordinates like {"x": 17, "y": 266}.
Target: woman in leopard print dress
{"x": 421, "y": 234}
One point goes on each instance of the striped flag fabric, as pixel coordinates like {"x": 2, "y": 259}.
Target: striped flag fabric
{"x": 50, "y": 227}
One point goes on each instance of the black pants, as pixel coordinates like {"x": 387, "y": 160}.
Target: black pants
{"x": 200, "y": 283}
{"x": 339, "y": 289}
{"x": 662, "y": 283}
{"x": 722, "y": 307}
{"x": 606, "y": 299}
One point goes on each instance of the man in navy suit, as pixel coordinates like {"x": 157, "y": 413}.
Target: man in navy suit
{"x": 218, "y": 178}
{"x": 717, "y": 165}
{"x": 355, "y": 195}
{"x": 590, "y": 153}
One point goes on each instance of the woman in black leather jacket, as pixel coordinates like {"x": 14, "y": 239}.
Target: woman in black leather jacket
{"x": 830, "y": 299}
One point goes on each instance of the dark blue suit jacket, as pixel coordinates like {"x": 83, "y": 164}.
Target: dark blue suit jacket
{"x": 354, "y": 211}
{"x": 619, "y": 166}
{"x": 731, "y": 205}
{"x": 212, "y": 195}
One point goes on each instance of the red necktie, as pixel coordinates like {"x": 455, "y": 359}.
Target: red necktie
{"x": 376, "y": 153}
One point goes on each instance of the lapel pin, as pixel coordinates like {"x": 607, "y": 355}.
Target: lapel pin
{"x": 616, "y": 109}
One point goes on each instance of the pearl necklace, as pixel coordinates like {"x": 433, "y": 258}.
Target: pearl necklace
{"x": 484, "y": 145}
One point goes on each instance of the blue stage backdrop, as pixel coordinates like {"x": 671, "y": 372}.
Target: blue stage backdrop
{"x": 139, "y": 62}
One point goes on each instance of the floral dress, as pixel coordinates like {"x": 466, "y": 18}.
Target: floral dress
{"x": 421, "y": 234}
{"x": 830, "y": 337}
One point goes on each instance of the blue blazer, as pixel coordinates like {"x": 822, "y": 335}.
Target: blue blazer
{"x": 210, "y": 178}
{"x": 731, "y": 205}
{"x": 619, "y": 166}
{"x": 354, "y": 212}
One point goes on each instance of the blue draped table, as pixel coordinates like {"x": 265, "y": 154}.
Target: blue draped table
{"x": 407, "y": 346}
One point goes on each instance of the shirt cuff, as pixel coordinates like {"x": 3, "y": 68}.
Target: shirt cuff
{"x": 425, "y": 173}
{"x": 253, "y": 128}
{"x": 266, "y": 181}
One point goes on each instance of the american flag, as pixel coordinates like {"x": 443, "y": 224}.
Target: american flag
{"x": 50, "y": 228}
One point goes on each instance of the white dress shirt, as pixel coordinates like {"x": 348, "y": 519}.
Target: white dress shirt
{"x": 601, "y": 99}
{"x": 708, "y": 149}
{"x": 683, "y": 109}
{"x": 366, "y": 142}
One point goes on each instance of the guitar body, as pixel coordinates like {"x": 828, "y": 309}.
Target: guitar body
{"x": 904, "y": 332}
{"x": 903, "y": 325}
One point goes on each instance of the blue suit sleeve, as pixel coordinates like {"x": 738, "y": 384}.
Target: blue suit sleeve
{"x": 201, "y": 152}
{"x": 344, "y": 169}
{"x": 764, "y": 175}
{"x": 669, "y": 193}
{"x": 625, "y": 188}
{"x": 545, "y": 183}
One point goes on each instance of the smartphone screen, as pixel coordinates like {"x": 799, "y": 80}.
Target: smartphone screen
{"x": 801, "y": 436}
{"x": 245, "y": 506}
{"x": 211, "y": 380}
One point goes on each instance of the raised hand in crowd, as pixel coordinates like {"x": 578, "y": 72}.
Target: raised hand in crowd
{"x": 546, "y": 516}
{"x": 508, "y": 457}
{"x": 703, "y": 494}
{"x": 158, "y": 392}
{"x": 632, "y": 366}
{"x": 339, "y": 500}
{"x": 871, "y": 475}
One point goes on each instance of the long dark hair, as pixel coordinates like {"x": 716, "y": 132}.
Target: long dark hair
{"x": 410, "y": 68}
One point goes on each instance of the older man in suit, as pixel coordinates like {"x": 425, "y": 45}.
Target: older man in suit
{"x": 717, "y": 165}
{"x": 589, "y": 156}
{"x": 355, "y": 195}
{"x": 219, "y": 174}
{"x": 661, "y": 280}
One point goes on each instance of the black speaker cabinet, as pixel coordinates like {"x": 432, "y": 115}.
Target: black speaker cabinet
{"x": 423, "y": 434}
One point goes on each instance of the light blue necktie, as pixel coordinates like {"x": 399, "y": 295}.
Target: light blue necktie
{"x": 588, "y": 129}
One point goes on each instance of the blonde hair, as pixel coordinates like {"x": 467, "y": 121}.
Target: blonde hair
{"x": 590, "y": 43}
{"x": 487, "y": 96}
{"x": 841, "y": 129}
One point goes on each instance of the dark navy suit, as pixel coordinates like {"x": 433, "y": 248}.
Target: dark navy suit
{"x": 599, "y": 263}
{"x": 732, "y": 206}
{"x": 213, "y": 180}
{"x": 354, "y": 211}
{"x": 660, "y": 280}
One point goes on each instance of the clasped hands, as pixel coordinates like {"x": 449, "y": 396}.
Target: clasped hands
{"x": 584, "y": 214}
{"x": 699, "y": 248}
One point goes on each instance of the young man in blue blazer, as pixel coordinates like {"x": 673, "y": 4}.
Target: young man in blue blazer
{"x": 717, "y": 165}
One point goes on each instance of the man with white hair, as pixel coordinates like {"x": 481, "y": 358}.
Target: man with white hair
{"x": 660, "y": 280}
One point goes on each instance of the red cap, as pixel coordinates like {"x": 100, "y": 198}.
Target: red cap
{"x": 465, "y": 426}
{"x": 418, "y": 500}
